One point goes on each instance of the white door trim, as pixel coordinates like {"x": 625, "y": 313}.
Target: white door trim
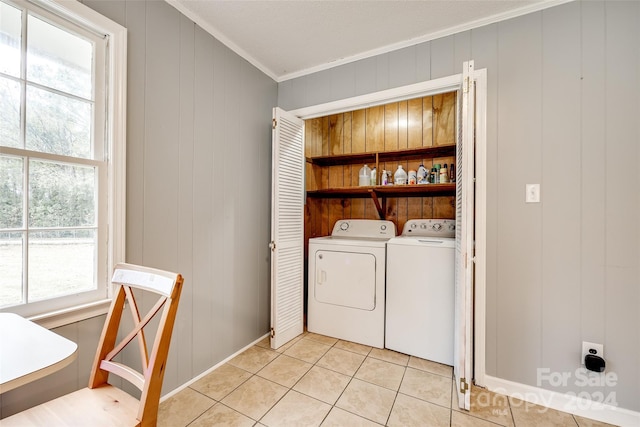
{"x": 432, "y": 87}
{"x": 480, "y": 257}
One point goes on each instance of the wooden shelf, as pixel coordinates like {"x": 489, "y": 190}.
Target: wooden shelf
{"x": 385, "y": 191}
{"x": 343, "y": 159}
{"x": 386, "y": 156}
{"x": 377, "y": 192}
{"x": 380, "y": 193}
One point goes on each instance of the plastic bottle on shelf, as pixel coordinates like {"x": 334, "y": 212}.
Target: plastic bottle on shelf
{"x": 437, "y": 166}
{"x": 452, "y": 173}
{"x": 413, "y": 177}
{"x": 433, "y": 176}
{"x": 374, "y": 176}
{"x": 422, "y": 175}
{"x": 384, "y": 178}
{"x": 364, "y": 177}
{"x": 400, "y": 177}
{"x": 444, "y": 174}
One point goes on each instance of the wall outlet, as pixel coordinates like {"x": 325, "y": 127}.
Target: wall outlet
{"x": 589, "y": 348}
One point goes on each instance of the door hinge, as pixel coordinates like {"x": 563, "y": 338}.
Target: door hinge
{"x": 273, "y": 333}
{"x": 275, "y": 123}
{"x": 464, "y": 385}
{"x": 272, "y": 246}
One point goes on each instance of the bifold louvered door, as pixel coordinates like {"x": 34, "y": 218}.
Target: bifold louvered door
{"x": 287, "y": 228}
{"x": 462, "y": 356}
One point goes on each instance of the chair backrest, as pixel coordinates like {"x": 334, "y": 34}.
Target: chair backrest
{"x": 167, "y": 286}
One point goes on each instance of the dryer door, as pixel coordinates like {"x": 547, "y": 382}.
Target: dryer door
{"x": 346, "y": 278}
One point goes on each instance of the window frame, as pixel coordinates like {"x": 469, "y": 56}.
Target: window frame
{"x": 50, "y": 314}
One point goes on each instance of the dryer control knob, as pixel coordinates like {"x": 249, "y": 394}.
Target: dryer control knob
{"x": 437, "y": 226}
{"x": 344, "y": 226}
{"x": 383, "y": 227}
{"x": 413, "y": 225}
{"x": 423, "y": 226}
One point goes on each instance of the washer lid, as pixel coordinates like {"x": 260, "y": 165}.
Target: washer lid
{"x": 419, "y": 241}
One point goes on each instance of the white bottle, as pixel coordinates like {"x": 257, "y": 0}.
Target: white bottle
{"x": 400, "y": 177}
{"x": 374, "y": 176}
{"x": 413, "y": 179}
{"x": 444, "y": 174}
{"x": 422, "y": 175}
{"x": 364, "y": 177}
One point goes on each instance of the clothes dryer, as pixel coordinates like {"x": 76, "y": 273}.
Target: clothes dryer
{"x": 346, "y": 297}
{"x": 421, "y": 290}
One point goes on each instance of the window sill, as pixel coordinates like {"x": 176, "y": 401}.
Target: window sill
{"x": 67, "y": 316}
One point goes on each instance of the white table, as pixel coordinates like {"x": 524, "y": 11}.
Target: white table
{"x": 29, "y": 352}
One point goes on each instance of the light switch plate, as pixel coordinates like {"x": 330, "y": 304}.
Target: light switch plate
{"x": 532, "y": 193}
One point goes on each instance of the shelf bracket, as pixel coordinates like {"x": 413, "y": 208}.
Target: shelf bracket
{"x": 381, "y": 209}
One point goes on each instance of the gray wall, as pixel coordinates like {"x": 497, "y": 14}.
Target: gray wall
{"x": 198, "y": 192}
{"x": 563, "y": 111}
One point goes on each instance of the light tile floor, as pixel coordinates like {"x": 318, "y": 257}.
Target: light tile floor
{"x": 317, "y": 380}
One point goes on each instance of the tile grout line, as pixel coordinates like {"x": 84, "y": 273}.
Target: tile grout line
{"x": 347, "y": 385}
{"x": 351, "y": 377}
{"x": 345, "y": 388}
{"x": 397, "y": 393}
{"x": 203, "y": 412}
{"x": 339, "y": 360}
{"x": 291, "y": 388}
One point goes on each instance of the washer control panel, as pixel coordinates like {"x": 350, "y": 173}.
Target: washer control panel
{"x": 430, "y": 228}
{"x": 367, "y": 228}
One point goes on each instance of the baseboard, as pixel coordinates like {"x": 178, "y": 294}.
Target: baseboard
{"x": 564, "y": 402}
{"x": 208, "y": 371}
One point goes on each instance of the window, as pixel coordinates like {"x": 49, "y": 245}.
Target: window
{"x": 61, "y": 155}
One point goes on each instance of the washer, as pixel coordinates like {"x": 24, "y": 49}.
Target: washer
{"x": 347, "y": 281}
{"x": 421, "y": 290}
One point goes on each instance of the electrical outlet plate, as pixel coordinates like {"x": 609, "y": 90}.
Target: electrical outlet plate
{"x": 532, "y": 193}
{"x": 586, "y": 346}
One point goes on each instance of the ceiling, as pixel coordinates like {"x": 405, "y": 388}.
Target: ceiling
{"x": 287, "y": 39}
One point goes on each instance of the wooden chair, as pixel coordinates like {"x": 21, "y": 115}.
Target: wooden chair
{"x": 102, "y": 404}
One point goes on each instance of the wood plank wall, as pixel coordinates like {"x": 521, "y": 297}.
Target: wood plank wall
{"x": 420, "y": 122}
